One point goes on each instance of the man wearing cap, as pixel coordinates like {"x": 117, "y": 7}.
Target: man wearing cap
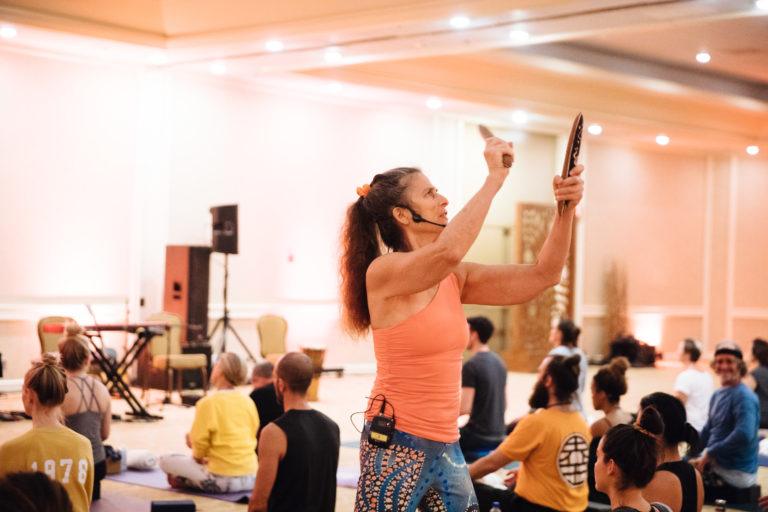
{"x": 730, "y": 434}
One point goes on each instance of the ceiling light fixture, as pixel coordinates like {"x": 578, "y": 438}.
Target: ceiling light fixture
{"x": 662, "y": 140}
{"x": 459, "y": 22}
{"x": 274, "y": 45}
{"x": 519, "y": 117}
{"x": 519, "y": 35}
{"x": 753, "y": 150}
{"x": 334, "y": 87}
{"x": 218, "y": 67}
{"x": 434, "y": 103}
{"x": 158, "y": 59}
{"x": 595, "y": 129}
{"x": 8, "y": 31}
{"x": 333, "y": 55}
{"x": 703, "y": 57}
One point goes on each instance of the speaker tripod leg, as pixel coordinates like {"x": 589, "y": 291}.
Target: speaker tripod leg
{"x": 242, "y": 343}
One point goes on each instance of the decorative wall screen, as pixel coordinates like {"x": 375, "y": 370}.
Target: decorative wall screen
{"x": 531, "y": 322}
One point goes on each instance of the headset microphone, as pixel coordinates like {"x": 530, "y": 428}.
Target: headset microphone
{"x": 418, "y": 218}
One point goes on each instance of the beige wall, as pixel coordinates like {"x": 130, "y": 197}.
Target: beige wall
{"x": 686, "y": 228}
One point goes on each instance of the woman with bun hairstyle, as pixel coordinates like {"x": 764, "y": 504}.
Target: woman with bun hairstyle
{"x": 50, "y": 447}
{"x": 626, "y": 463}
{"x": 222, "y": 437}
{"x": 608, "y": 386}
{"x": 403, "y": 279}
{"x": 87, "y": 406}
{"x": 565, "y": 339}
{"x": 676, "y": 482}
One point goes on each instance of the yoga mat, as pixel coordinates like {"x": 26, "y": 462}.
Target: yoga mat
{"x": 345, "y": 477}
{"x": 157, "y": 479}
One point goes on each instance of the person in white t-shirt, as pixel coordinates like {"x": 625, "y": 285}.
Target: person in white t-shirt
{"x": 694, "y": 386}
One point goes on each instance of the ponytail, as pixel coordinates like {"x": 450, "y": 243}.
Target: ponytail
{"x": 634, "y": 448}
{"x": 676, "y": 427}
{"x": 369, "y": 223}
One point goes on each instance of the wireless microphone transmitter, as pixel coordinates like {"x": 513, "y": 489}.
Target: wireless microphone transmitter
{"x": 382, "y": 430}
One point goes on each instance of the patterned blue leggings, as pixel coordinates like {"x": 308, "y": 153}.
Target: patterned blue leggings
{"x": 413, "y": 472}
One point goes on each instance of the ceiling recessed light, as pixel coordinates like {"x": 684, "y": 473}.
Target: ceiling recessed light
{"x": 274, "y": 45}
{"x": 218, "y": 67}
{"x": 519, "y": 117}
{"x": 8, "y": 31}
{"x": 703, "y": 57}
{"x": 158, "y": 59}
{"x": 334, "y": 87}
{"x": 519, "y": 35}
{"x": 662, "y": 140}
{"x": 753, "y": 150}
{"x": 595, "y": 129}
{"x": 762, "y": 4}
{"x": 434, "y": 103}
{"x": 459, "y": 22}
{"x": 333, "y": 55}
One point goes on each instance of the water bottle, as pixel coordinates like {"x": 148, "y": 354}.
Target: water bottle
{"x": 719, "y": 505}
{"x": 496, "y": 507}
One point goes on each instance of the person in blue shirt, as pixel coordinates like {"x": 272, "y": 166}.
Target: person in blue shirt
{"x": 730, "y": 434}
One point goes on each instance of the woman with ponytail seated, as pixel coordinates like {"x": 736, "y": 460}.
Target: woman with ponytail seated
{"x": 222, "y": 438}
{"x": 50, "y": 447}
{"x": 626, "y": 463}
{"x": 87, "y": 407}
{"x": 608, "y": 386}
{"x": 676, "y": 482}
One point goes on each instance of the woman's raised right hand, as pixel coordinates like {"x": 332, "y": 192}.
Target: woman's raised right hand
{"x": 494, "y": 152}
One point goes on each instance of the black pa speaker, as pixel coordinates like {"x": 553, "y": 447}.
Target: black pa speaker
{"x": 224, "y": 229}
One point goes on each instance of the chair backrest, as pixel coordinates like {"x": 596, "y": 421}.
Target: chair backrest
{"x": 50, "y": 330}
{"x": 170, "y": 342}
{"x": 272, "y": 331}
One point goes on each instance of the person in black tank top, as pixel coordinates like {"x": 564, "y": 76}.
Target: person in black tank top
{"x": 299, "y": 451}
{"x": 676, "y": 483}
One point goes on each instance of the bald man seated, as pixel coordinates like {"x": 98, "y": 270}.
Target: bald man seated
{"x": 304, "y": 476}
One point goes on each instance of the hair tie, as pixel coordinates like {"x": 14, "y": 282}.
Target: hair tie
{"x": 363, "y": 190}
{"x": 642, "y": 430}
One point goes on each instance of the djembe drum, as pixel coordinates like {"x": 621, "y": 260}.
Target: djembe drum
{"x": 317, "y": 355}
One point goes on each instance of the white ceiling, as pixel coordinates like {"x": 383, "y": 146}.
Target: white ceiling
{"x": 627, "y": 64}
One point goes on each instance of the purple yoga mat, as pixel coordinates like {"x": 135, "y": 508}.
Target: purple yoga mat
{"x": 157, "y": 479}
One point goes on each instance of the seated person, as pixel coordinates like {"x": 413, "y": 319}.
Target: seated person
{"x": 222, "y": 438}
{"x": 264, "y": 396}
{"x": 758, "y": 377}
{"x": 675, "y": 483}
{"x": 33, "y": 492}
{"x": 608, "y": 386}
{"x": 565, "y": 338}
{"x": 626, "y": 462}
{"x": 552, "y": 445}
{"x": 730, "y": 434}
{"x": 483, "y": 392}
{"x": 87, "y": 407}
{"x": 299, "y": 451}
{"x": 50, "y": 447}
{"x": 694, "y": 386}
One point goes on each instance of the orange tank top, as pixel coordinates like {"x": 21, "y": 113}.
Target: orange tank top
{"x": 418, "y": 366}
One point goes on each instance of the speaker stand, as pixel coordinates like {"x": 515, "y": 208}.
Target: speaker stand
{"x": 224, "y": 321}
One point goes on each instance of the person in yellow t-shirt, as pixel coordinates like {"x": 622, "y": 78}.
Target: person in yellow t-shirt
{"x": 50, "y": 447}
{"x": 552, "y": 445}
{"x": 222, "y": 438}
